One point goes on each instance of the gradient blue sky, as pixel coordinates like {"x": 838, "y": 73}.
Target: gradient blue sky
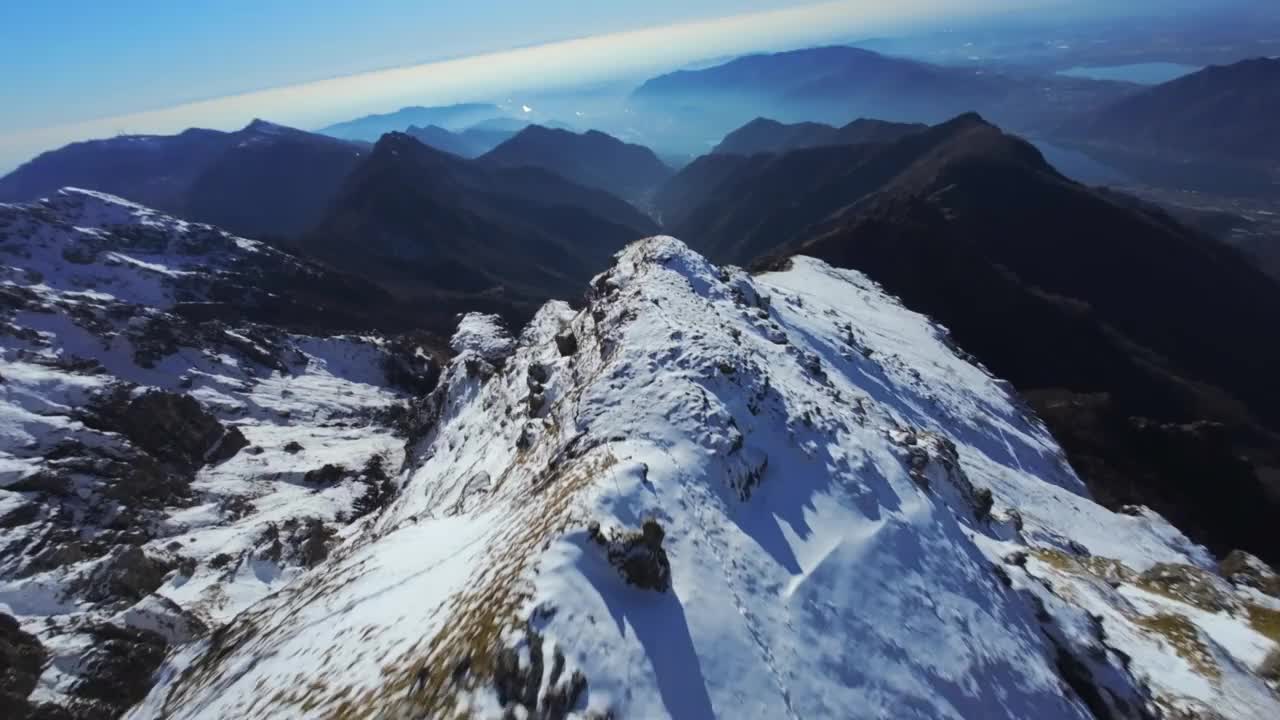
{"x": 69, "y": 60}
{"x": 79, "y": 69}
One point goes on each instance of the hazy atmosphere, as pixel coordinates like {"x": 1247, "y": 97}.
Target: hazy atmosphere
{"x": 77, "y": 68}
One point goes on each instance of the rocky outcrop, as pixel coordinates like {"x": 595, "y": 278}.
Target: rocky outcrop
{"x": 1244, "y": 569}
{"x": 127, "y": 575}
{"x": 518, "y": 680}
{"x": 118, "y": 670}
{"x": 305, "y": 542}
{"x": 173, "y": 428}
{"x": 22, "y": 659}
{"x": 638, "y": 556}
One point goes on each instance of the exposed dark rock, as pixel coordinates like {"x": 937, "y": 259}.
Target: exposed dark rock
{"x": 1077, "y": 676}
{"x": 304, "y": 542}
{"x": 43, "y": 481}
{"x": 1127, "y": 460}
{"x": 55, "y": 556}
{"x": 746, "y": 467}
{"x": 329, "y": 474}
{"x": 567, "y": 343}
{"x": 1270, "y": 668}
{"x": 235, "y": 507}
{"x": 1189, "y": 584}
{"x": 638, "y": 556}
{"x": 293, "y": 447}
{"x": 128, "y": 574}
{"x": 521, "y": 686}
{"x": 536, "y": 401}
{"x": 22, "y": 659}
{"x": 118, "y": 671}
{"x": 1241, "y": 568}
{"x": 173, "y": 428}
{"x": 983, "y": 502}
{"x": 166, "y": 617}
{"x": 313, "y": 541}
{"x": 412, "y": 364}
{"x": 155, "y": 339}
{"x": 232, "y": 442}
{"x": 379, "y": 488}
{"x": 25, "y": 513}
{"x": 539, "y": 374}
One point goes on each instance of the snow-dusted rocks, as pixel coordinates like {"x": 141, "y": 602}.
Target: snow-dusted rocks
{"x": 854, "y": 521}
{"x": 483, "y": 336}
{"x": 159, "y": 469}
{"x": 704, "y": 494}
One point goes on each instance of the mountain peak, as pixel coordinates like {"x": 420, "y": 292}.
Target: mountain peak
{"x": 966, "y": 120}
{"x": 263, "y": 127}
{"x": 592, "y": 158}
{"x": 700, "y": 492}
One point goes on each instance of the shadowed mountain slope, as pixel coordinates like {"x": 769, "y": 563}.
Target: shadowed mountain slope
{"x": 593, "y": 159}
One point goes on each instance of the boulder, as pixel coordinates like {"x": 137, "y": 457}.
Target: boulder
{"x": 127, "y": 574}
{"x": 174, "y": 429}
{"x": 567, "y": 343}
{"x": 638, "y": 556}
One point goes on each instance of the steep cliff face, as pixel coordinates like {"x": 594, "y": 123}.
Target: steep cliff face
{"x": 712, "y": 494}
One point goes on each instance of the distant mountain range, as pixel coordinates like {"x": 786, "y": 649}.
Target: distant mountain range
{"x": 508, "y": 231}
{"x": 414, "y": 218}
{"x": 452, "y": 117}
{"x": 763, "y": 135}
{"x": 262, "y": 180}
{"x": 593, "y": 159}
{"x": 1052, "y": 285}
{"x": 1211, "y": 130}
{"x": 832, "y": 84}
{"x": 469, "y": 143}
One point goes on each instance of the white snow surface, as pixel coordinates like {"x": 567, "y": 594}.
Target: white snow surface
{"x": 91, "y": 270}
{"x": 819, "y": 459}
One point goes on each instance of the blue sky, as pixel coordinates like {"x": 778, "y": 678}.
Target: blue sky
{"x": 69, "y": 60}
{"x": 79, "y": 69}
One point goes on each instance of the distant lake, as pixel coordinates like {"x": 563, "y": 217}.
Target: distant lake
{"x": 1080, "y": 167}
{"x": 1152, "y": 73}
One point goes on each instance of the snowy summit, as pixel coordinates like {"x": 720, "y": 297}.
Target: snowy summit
{"x": 708, "y": 494}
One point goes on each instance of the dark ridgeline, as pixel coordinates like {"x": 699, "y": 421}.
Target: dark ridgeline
{"x": 426, "y": 223}
{"x": 1213, "y": 130}
{"x": 1141, "y": 342}
{"x": 451, "y": 117}
{"x": 469, "y": 143}
{"x": 763, "y": 135}
{"x": 833, "y": 84}
{"x": 593, "y": 159}
{"x": 264, "y": 180}
{"x": 414, "y": 223}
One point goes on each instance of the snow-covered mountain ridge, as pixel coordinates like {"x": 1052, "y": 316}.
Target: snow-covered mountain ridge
{"x": 714, "y": 495}
{"x": 705, "y": 494}
{"x": 160, "y": 472}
